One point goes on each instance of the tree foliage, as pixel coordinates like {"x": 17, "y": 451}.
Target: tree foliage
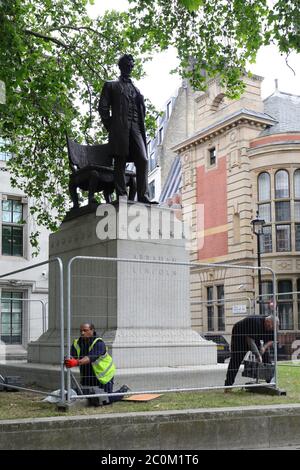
{"x": 217, "y": 37}
{"x": 54, "y": 59}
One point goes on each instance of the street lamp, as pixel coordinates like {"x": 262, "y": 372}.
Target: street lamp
{"x": 258, "y": 230}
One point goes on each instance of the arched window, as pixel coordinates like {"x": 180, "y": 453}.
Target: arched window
{"x": 282, "y": 187}
{"x": 264, "y": 187}
{"x": 297, "y": 209}
{"x": 264, "y": 196}
{"x": 264, "y": 209}
{"x": 282, "y": 191}
{"x": 282, "y": 211}
{"x": 297, "y": 184}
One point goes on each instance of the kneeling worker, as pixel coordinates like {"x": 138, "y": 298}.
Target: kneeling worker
{"x": 96, "y": 365}
{"x": 247, "y": 335}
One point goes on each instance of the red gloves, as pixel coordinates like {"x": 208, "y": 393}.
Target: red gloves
{"x": 71, "y": 363}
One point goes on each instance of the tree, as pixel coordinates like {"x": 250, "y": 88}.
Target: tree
{"x": 217, "y": 37}
{"x": 54, "y": 59}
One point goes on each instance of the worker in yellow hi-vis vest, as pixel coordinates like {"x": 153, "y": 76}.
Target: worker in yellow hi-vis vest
{"x": 97, "y": 368}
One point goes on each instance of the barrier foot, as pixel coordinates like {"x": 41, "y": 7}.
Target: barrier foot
{"x": 266, "y": 389}
{"x": 66, "y": 406}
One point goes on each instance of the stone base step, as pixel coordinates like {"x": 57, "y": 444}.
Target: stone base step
{"x": 45, "y": 376}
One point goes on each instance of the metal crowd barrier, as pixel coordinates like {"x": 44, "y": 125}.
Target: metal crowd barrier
{"x": 160, "y": 287}
{"x": 61, "y": 316}
{"x": 89, "y": 281}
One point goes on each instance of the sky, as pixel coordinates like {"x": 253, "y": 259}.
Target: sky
{"x": 158, "y": 85}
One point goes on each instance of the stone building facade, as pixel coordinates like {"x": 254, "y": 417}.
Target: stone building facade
{"x": 242, "y": 156}
{"x": 23, "y": 295}
{"x": 173, "y": 126}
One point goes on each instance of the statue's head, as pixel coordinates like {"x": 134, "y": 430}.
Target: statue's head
{"x": 126, "y": 64}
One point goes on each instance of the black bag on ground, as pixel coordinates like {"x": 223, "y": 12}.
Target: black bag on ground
{"x": 94, "y": 401}
{"x": 259, "y": 371}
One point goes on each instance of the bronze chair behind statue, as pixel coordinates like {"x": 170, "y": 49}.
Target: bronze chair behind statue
{"x": 92, "y": 171}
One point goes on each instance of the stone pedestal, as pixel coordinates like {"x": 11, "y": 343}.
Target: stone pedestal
{"x": 142, "y": 310}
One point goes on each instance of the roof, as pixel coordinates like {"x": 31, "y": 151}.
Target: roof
{"x": 173, "y": 181}
{"x": 285, "y": 109}
{"x": 250, "y": 113}
{"x": 229, "y": 119}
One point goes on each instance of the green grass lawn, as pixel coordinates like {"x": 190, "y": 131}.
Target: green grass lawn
{"x": 29, "y": 405}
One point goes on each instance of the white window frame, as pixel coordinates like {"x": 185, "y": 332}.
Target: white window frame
{"x": 24, "y": 203}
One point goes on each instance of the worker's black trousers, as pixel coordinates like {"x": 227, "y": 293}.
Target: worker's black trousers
{"x": 238, "y": 352}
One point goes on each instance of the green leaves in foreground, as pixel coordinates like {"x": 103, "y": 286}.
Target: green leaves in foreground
{"x": 191, "y": 4}
{"x": 54, "y": 60}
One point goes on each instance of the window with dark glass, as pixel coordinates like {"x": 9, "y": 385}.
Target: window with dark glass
{"x": 160, "y": 136}
{"x": 212, "y": 156}
{"x": 11, "y": 317}
{"x": 285, "y": 304}
{"x": 152, "y": 161}
{"x": 151, "y": 190}
{"x": 220, "y": 308}
{"x": 297, "y": 208}
{"x": 283, "y": 238}
{"x": 267, "y": 297}
{"x": 297, "y": 211}
{"x": 298, "y": 302}
{"x": 287, "y": 211}
{"x": 297, "y": 184}
{"x": 266, "y": 240}
{"x": 282, "y": 211}
{"x": 12, "y": 228}
{"x": 210, "y": 308}
{"x": 169, "y": 109}
{"x": 215, "y": 305}
{"x": 297, "y": 237}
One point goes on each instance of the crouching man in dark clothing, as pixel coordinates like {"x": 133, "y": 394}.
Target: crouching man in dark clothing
{"x": 247, "y": 335}
{"x": 97, "y": 368}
